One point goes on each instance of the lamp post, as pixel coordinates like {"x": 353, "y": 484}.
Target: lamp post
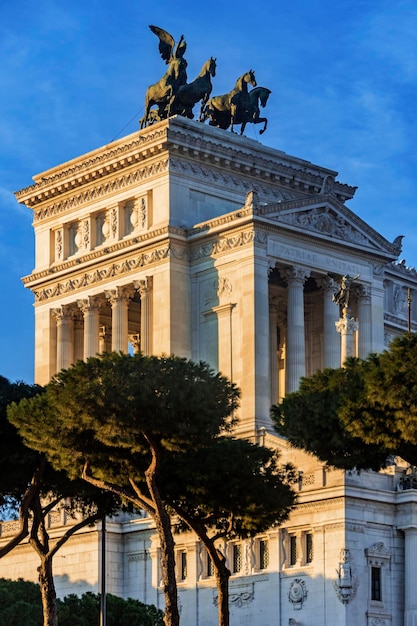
{"x": 103, "y": 604}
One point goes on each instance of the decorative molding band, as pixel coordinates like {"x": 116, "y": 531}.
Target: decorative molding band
{"x": 225, "y": 244}
{"x": 57, "y": 175}
{"x": 107, "y": 250}
{"x": 100, "y": 191}
{"x": 207, "y": 174}
{"x": 96, "y": 276}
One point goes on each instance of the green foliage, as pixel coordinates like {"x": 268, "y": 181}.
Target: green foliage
{"x": 386, "y": 410}
{"x": 106, "y": 409}
{"x": 20, "y": 605}
{"x": 235, "y": 487}
{"x": 85, "y": 611}
{"x": 310, "y": 418}
{"x": 13, "y": 452}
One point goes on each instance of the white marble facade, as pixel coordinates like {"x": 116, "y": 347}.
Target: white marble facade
{"x": 186, "y": 239}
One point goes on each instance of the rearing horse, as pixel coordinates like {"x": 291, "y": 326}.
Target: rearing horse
{"x": 200, "y": 89}
{"x": 163, "y": 93}
{"x": 257, "y": 96}
{"x": 229, "y": 103}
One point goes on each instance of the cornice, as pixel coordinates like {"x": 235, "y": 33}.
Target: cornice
{"x": 176, "y": 138}
{"x": 103, "y": 189}
{"x": 233, "y": 151}
{"x": 93, "y": 165}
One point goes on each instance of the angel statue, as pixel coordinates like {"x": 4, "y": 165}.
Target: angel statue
{"x": 341, "y": 297}
{"x": 162, "y": 94}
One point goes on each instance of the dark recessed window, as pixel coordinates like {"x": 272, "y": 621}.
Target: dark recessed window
{"x": 376, "y": 584}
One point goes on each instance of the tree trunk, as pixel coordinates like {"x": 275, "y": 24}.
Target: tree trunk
{"x": 48, "y": 593}
{"x": 163, "y": 526}
{"x": 222, "y": 581}
{"x": 219, "y": 562}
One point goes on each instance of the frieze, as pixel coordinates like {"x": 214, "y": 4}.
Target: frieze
{"x": 312, "y": 258}
{"x": 226, "y": 244}
{"x": 102, "y": 190}
{"x": 178, "y": 252}
{"x": 207, "y": 174}
{"x": 319, "y": 504}
{"x": 99, "y": 275}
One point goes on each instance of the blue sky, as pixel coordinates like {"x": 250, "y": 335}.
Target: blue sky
{"x": 73, "y": 76}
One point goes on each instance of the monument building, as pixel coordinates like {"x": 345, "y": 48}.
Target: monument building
{"x": 185, "y": 239}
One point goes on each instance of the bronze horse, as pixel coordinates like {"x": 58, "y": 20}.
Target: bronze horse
{"x": 257, "y": 96}
{"x": 162, "y": 94}
{"x": 200, "y": 89}
{"x": 249, "y": 115}
{"x": 229, "y": 103}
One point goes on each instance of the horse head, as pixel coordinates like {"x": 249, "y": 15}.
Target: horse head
{"x": 263, "y": 96}
{"x": 249, "y": 77}
{"x": 211, "y": 66}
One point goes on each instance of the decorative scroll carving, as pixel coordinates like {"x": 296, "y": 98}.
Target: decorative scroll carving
{"x": 59, "y": 245}
{"x": 238, "y": 600}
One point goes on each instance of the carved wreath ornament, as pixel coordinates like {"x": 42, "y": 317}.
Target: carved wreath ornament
{"x": 297, "y": 593}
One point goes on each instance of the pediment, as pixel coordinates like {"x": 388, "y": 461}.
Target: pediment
{"x": 326, "y": 218}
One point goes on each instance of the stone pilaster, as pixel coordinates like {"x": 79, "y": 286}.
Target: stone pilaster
{"x": 295, "y": 367}
{"x": 273, "y": 349}
{"x": 365, "y": 322}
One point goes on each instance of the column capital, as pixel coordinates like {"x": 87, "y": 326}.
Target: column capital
{"x": 347, "y": 324}
{"x": 363, "y": 292}
{"x": 90, "y": 303}
{"x": 63, "y": 313}
{"x": 119, "y": 295}
{"x": 327, "y": 284}
{"x": 295, "y": 274}
{"x": 143, "y": 286}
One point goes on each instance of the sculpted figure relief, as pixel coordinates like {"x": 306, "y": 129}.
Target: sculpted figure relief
{"x": 172, "y": 95}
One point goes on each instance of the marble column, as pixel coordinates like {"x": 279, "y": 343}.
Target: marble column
{"x": 346, "y": 326}
{"x": 65, "y": 348}
{"x": 331, "y": 338}
{"x": 295, "y": 366}
{"x": 365, "y": 322}
{"x": 144, "y": 287}
{"x": 90, "y": 307}
{"x": 410, "y": 577}
{"x": 119, "y": 299}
